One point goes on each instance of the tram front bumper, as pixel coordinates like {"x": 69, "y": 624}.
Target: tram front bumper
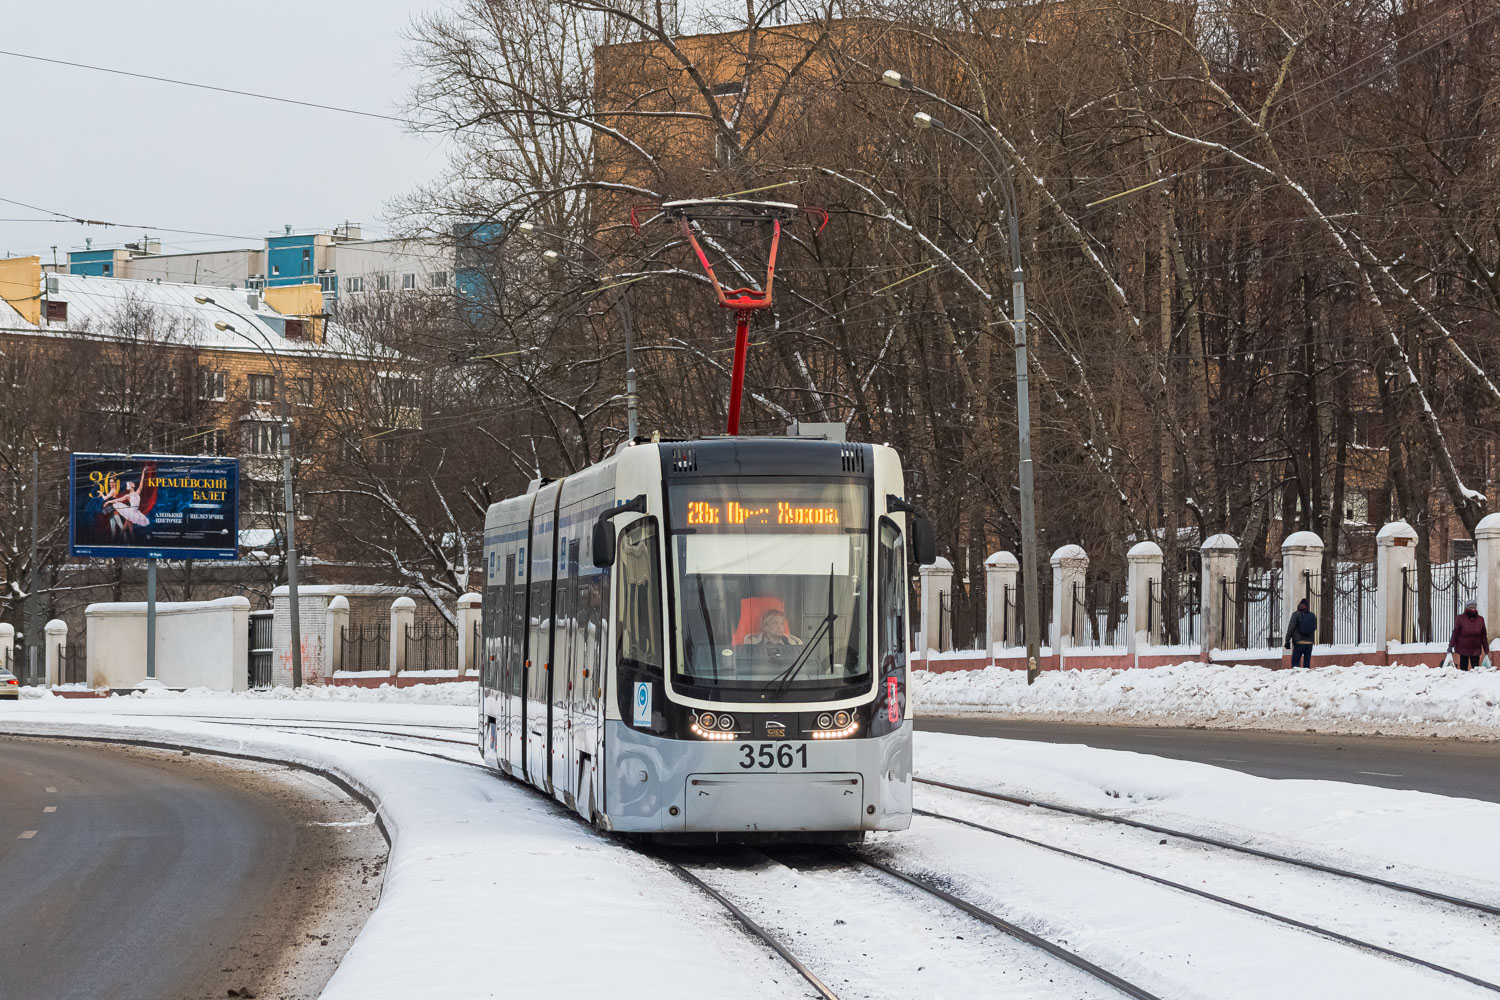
{"x": 658, "y": 785}
{"x": 779, "y": 802}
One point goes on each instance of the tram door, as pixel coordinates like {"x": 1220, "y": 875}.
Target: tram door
{"x": 568, "y": 696}
{"x": 501, "y": 653}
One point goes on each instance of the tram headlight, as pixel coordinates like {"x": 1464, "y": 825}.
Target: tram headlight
{"x": 708, "y": 720}
{"x": 825, "y": 721}
{"x": 841, "y": 720}
{"x": 726, "y": 722}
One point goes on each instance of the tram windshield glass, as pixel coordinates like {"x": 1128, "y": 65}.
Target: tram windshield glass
{"x": 771, "y": 583}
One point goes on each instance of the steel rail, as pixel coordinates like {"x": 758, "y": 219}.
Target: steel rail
{"x": 1433, "y": 894}
{"x": 1236, "y": 904}
{"x": 750, "y": 925}
{"x": 1014, "y": 930}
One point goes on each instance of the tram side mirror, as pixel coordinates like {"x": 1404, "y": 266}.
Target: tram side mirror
{"x": 923, "y": 540}
{"x": 604, "y": 544}
{"x": 604, "y": 530}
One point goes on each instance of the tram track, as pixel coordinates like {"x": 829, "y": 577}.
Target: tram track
{"x": 1477, "y": 906}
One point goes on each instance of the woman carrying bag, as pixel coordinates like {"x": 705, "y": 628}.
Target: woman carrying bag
{"x": 1470, "y": 641}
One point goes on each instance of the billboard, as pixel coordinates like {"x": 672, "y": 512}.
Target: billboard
{"x": 154, "y": 507}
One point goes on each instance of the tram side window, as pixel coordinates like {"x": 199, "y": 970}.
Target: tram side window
{"x": 490, "y": 618}
{"x": 515, "y": 627}
{"x": 638, "y": 622}
{"x": 892, "y": 594}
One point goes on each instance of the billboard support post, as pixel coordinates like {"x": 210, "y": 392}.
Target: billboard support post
{"x": 150, "y": 619}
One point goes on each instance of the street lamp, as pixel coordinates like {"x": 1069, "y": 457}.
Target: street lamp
{"x": 923, "y": 120}
{"x": 552, "y": 256}
{"x": 286, "y": 475}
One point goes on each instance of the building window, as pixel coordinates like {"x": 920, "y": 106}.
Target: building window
{"x": 57, "y": 312}
{"x": 397, "y": 392}
{"x": 389, "y": 451}
{"x": 256, "y": 282}
{"x": 437, "y": 279}
{"x": 1356, "y": 507}
{"x": 726, "y": 89}
{"x": 275, "y": 270}
{"x": 262, "y": 388}
{"x": 264, "y": 436}
{"x": 302, "y": 391}
{"x": 295, "y": 329}
{"x": 210, "y": 384}
{"x": 329, "y": 283}
{"x": 355, "y": 284}
{"x": 383, "y": 283}
{"x": 306, "y": 254}
{"x": 408, "y": 281}
{"x": 207, "y": 443}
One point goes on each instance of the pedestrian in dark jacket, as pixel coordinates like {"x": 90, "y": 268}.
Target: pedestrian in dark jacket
{"x": 1301, "y": 633}
{"x": 1469, "y": 641}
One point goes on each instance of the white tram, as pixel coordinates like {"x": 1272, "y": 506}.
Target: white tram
{"x": 707, "y": 637}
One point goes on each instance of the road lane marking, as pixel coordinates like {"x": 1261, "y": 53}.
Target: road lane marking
{"x": 50, "y": 809}
{"x": 51, "y": 790}
{"x": 26, "y": 835}
{"x": 1381, "y": 774}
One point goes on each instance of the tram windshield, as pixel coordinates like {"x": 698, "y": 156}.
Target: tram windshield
{"x": 770, "y": 580}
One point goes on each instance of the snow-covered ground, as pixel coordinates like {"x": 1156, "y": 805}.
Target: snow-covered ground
{"x": 492, "y": 891}
{"x": 1405, "y": 700}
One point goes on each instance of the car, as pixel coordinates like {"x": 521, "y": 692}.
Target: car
{"x": 9, "y": 686}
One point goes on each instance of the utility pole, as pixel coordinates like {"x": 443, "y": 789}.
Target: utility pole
{"x": 31, "y": 614}
{"x": 291, "y": 539}
{"x": 630, "y": 408}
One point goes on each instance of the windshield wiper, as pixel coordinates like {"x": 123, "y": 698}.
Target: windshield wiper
{"x": 787, "y": 676}
{"x": 708, "y": 626}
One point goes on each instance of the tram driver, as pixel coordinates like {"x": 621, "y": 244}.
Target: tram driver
{"x": 774, "y": 631}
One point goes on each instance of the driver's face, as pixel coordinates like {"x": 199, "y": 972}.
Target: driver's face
{"x": 774, "y": 623}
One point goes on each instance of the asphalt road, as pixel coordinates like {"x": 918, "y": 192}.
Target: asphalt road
{"x": 127, "y": 876}
{"x": 1446, "y": 767}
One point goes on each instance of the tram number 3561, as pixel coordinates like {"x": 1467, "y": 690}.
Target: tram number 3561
{"x": 768, "y": 755}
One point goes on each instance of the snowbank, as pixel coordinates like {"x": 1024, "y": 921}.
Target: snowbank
{"x": 1193, "y": 693}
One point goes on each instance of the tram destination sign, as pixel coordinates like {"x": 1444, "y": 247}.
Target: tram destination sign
{"x": 755, "y": 508}
{"x": 154, "y": 507}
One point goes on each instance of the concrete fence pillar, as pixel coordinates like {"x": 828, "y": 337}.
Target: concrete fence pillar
{"x": 469, "y": 608}
{"x": 1070, "y": 567}
{"x": 7, "y": 646}
{"x": 1487, "y": 554}
{"x": 936, "y": 581}
{"x": 1221, "y": 563}
{"x": 1395, "y": 555}
{"x": 403, "y": 613}
{"x": 1301, "y": 574}
{"x": 56, "y": 633}
{"x": 1143, "y": 595}
{"x": 1000, "y": 572}
{"x": 333, "y": 635}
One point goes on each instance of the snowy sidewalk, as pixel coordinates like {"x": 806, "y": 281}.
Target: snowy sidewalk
{"x": 1396, "y": 700}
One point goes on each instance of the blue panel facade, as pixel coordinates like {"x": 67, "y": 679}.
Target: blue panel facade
{"x": 99, "y": 263}
{"x": 291, "y": 260}
{"x": 474, "y": 276}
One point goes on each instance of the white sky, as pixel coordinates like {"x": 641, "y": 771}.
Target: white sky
{"x": 155, "y": 155}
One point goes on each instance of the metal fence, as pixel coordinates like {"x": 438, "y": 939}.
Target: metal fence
{"x": 73, "y": 663}
{"x": 1176, "y": 606}
{"x": 1451, "y": 586}
{"x": 1258, "y": 614}
{"x": 1354, "y": 603}
{"x": 432, "y": 645}
{"x": 1098, "y": 613}
{"x": 262, "y": 655}
{"x": 365, "y": 647}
